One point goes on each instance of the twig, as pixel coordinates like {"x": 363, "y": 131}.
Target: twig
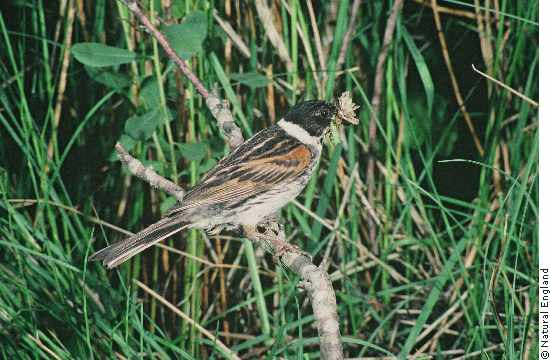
{"x": 380, "y": 64}
{"x": 454, "y": 82}
{"x": 484, "y": 32}
{"x": 217, "y": 343}
{"x": 349, "y": 32}
{"x": 377, "y": 93}
{"x": 266, "y": 18}
{"x": 513, "y": 91}
{"x": 450, "y": 11}
{"x": 63, "y": 77}
{"x": 441, "y": 319}
{"x": 318, "y": 47}
{"x": 41, "y": 345}
{"x": 218, "y": 108}
{"x": 320, "y": 291}
{"x": 235, "y": 38}
{"x": 134, "y": 8}
{"x": 148, "y": 174}
{"x": 307, "y": 48}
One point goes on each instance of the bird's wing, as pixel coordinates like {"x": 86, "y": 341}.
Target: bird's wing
{"x": 265, "y": 161}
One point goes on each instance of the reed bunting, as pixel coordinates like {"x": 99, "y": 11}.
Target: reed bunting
{"x": 251, "y": 183}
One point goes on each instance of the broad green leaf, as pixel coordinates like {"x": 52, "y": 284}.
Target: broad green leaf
{"x": 178, "y": 9}
{"x": 193, "y": 152}
{"x": 109, "y": 78}
{"x": 206, "y": 165}
{"x": 187, "y": 38}
{"x": 141, "y": 127}
{"x": 218, "y": 33}
{"x": 217, "y": 146}
{"x": 251, "y": 79}
{"x": 125, "y": 141}
{"x": 98, "y": 55}
{"x": 150, "y": 94}
{"x": 158, "y": 166}
{"x": 167, "y": 204}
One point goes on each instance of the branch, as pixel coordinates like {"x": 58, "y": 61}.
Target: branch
{"x": 318, "y": 286}
{"x": 219, "y": 109}
{"x": 134, "y": 8}
{"x": 147, "y": 174}
{"x": 320, "y": 289}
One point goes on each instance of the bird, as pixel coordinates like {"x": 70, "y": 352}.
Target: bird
{"x": 247, "y": 186}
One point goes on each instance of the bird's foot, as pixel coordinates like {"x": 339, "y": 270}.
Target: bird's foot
{"x": 282, "y": 247}
{"x": 217, "y": 229}
{"x": 214, "y": 230}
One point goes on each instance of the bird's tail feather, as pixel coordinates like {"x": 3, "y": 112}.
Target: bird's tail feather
{"x": 118, "y": 253}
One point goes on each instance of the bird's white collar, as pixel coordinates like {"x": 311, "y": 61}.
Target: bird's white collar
{"x": 298, "y": 132}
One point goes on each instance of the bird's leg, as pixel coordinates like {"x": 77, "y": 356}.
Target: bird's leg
{"x": 214, "y": 230}
{"x": 282, "y": 247}
{"x": 270, "y": 224}
{"x": 217, "y": 229}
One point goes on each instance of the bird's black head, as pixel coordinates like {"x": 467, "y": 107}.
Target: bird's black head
{"x": 314, "y": 116}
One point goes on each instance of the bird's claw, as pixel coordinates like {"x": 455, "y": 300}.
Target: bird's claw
{"x": 282, "y": 247}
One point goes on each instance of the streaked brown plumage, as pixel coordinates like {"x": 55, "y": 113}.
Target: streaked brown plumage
{"x": 254, "y": 181}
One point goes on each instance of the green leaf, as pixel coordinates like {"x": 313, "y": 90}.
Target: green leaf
{"x": 252, "y": 79}
{"x": 422, "y": 68}
{"x": 193, "y": 152}
{"x": 150, "y": 94}
{"x": 217, "y": 147}
{"x": 178, "y": 9}
{"x": 125, "y": 141}
{"x": 141, "y": 127}
{"x": 109, "y": 78}
{"x": 98, "y": 55}
{"x": 167, "y": 204}
{"x": 207, "y": 165}
{"x": 218, "y": 33}
{"x": 187, "y": 38}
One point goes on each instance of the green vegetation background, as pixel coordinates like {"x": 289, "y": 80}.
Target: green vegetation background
{"x": 451, "y": 271}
